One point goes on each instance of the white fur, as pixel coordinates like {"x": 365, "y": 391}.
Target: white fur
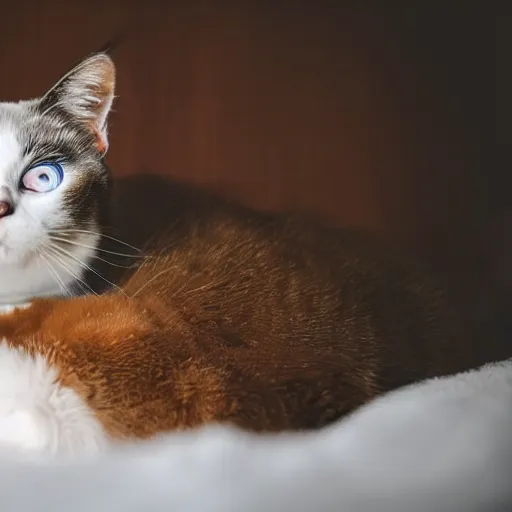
{"x": 27, "y": 267}
{"x": 6, "y": 309}
{"x": 440, "y": 446}
{"x": 38, "y": 416}
{"x": 9, "y": 152}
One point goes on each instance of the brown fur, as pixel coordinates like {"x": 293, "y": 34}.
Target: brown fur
{"x": 263, "y": 321}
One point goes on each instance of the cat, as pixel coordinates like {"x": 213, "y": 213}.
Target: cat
{"x": 54, "y": 184}
{"x": 267, "y": 321}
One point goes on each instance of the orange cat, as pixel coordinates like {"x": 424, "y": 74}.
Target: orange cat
{"x": 260, "y": 320}
{"x": 269, "y": 325}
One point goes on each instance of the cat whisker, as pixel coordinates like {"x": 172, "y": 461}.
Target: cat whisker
{"x": 80, "y": 282}
{"x": 95, "y": 256}
{"x": 156, "y": 276}
{"x": 52, "y": 232}
{"x": 55, "y": 257}
{"x": 95, "y": 233}
{"x": 64, "y": 252}
{"x": 111, "y": 262}
{"x": 208, "y": 286}
{"x": 76, "y": 244}
{"x": 55, "y": 274}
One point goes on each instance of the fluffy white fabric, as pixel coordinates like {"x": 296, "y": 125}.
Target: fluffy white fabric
{"x": 444, "y": 445}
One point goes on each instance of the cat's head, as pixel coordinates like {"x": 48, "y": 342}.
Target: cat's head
{"x": 54, "y": 182}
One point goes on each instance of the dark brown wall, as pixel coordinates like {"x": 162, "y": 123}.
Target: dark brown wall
{"x": 371, "y": 119}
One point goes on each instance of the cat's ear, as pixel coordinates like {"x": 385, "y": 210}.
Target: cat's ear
{"x": 86, "y": 93}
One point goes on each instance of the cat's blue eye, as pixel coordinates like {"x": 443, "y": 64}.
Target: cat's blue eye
{"x": 43, "y": 177}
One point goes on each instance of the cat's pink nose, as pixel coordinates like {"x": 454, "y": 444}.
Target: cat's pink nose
{"x": 6, "y": 209}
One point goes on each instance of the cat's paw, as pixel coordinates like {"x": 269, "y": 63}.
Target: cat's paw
{"x": 24, "y": 430}
{"x": 40, "y": 416}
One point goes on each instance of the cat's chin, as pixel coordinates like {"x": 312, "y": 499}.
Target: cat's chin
{"x": 40, "y": 417}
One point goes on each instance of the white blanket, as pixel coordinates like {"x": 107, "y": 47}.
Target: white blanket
{"x": 443, "y": 445}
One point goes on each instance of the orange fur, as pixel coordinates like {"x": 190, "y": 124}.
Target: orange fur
{"x": 267, "y": 323}
{"x": 100, "y": 142}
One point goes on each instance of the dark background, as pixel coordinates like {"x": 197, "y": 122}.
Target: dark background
{"x": 376, "y": 118}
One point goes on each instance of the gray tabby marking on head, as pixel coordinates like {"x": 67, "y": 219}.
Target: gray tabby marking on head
{"x": 54, "y": 182}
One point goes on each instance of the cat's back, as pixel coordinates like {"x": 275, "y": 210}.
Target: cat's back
{"x": 283, "y": 286}
{"x": 296, "y": 323}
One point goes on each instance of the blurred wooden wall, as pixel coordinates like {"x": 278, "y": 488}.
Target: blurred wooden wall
{"x": 368, "y": 118}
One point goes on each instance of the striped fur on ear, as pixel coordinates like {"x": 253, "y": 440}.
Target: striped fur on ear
{"x": 86, "y": 94}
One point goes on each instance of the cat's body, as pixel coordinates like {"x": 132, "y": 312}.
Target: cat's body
{"x": 234, "y": 316}
{"x": 265, "y": 322}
